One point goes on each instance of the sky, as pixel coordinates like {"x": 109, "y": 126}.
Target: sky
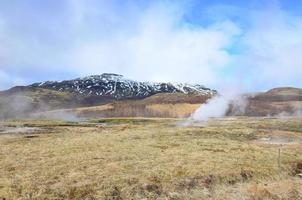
{"x": 253, "y": 44}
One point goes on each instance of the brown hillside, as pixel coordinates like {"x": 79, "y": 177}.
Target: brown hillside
{"x": 277, "y": 101}
{"x": 160, "y": 105}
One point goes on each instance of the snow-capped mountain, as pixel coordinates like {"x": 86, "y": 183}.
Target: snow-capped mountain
{"x": 118, "y": 87}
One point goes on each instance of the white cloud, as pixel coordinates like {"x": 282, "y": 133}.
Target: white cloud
{"x": 151, "y": 42}
{"x": 272, "y": 48}
{"x": 160, "y": 49}
{"x": 6, "y": 80}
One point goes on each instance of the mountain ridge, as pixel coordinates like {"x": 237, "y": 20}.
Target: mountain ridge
{"x": 119, "y": 87}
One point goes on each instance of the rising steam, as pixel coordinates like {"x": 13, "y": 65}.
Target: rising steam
{"x": 215, "y": 107}
{"x": 220, "y": 106}
{"x": 238, "y": 104}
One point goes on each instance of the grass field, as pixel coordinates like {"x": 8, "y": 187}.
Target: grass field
{"x": 230, "y": 158}
{"x": 123, "y": 109}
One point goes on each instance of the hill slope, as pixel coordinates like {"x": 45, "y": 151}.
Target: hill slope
{"x": 20, "y": 101}
{"x": 277, "y": 101}
{"x": 160, "y": 105}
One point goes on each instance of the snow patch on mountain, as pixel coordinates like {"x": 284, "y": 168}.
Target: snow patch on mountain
{"x": 116, "y": 86}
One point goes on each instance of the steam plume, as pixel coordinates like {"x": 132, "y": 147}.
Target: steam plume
{"x": 219, "y": 106}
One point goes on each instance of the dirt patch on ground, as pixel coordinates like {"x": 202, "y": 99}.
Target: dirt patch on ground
{"x": 284, "y": 189}
{"x": 278, "y": 137}
{"x": 282, "y": 133}
{"x": 283, "y": 141}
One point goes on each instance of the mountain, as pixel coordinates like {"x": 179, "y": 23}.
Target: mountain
{"x": 117, "y": 87}
{"x": 95, "y": 90}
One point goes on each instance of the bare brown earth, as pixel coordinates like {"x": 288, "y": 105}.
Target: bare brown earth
{"x": 273, "y": 108}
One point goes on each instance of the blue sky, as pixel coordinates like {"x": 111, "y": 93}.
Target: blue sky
{"x": 253, "y": 44}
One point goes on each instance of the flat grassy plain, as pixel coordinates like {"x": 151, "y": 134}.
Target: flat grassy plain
{"x": 229, "y": 158}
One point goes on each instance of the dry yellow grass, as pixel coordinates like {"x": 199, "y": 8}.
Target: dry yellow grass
{"x": 76, "y": 111}
{"x": 125, "y": 109}
{"x": 178, "y": 110}
{"x": 89, "y": 109}
{"x": 150, "y": 159}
